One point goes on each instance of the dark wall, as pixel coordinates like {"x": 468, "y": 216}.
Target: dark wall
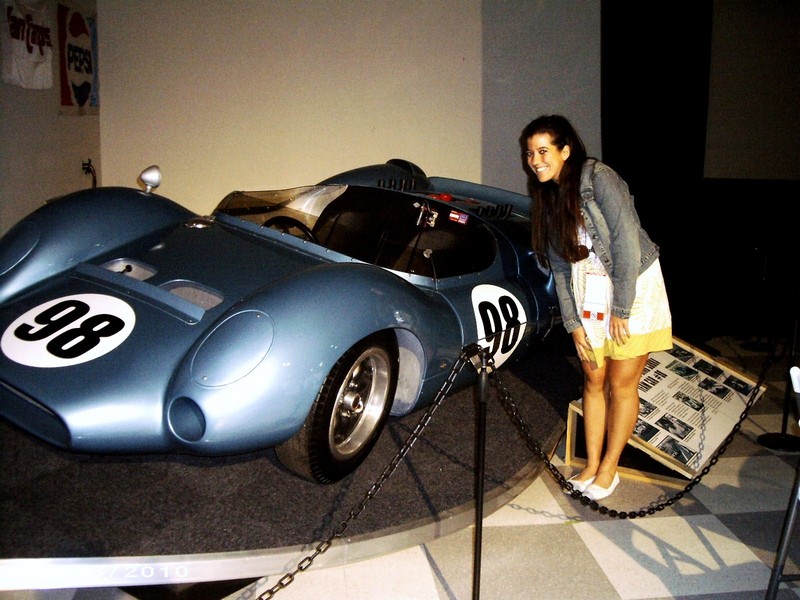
{"x": 725, "y": 243}
{"x": 654, "y": 100}
{"x": 739, "y": 272}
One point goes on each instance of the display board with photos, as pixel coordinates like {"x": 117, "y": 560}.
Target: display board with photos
{"x": 688, "y": 405}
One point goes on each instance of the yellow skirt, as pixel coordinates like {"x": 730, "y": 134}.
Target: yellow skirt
{"x": 650, "y": 323}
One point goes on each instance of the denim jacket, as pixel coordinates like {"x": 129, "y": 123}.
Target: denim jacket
{"x": 618, "y": 239}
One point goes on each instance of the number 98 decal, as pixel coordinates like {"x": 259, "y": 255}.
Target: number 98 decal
{"x": 500, "y": 318}
{"x": 68, "y": 331}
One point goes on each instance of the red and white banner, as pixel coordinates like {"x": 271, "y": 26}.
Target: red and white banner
{"x": 27, "y": 44}
{"x": 77, "y": 69}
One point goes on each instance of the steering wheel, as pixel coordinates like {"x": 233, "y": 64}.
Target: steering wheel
{"x": 290, "y": 225}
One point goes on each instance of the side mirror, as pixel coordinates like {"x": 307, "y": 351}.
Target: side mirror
{"x": 151, "y": 177}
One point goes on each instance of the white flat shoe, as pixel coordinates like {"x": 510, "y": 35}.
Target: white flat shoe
{"x": 595, "y": 492}
{"x": 579, "y": 485}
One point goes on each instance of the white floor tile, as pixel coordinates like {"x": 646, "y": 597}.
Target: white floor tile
{"x": 672, "y": 556}
{"x": 534, "y": 506}
{"x": 404, "y": 575}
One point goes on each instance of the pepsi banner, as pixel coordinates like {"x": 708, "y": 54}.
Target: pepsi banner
{"x": 77, "y": 44}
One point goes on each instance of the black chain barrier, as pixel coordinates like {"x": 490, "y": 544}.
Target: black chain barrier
{"x": 533, "y": 446}
{"x": 472, "y": 354}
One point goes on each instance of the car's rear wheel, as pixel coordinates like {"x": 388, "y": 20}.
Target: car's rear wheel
{"x": 348, "y": 414}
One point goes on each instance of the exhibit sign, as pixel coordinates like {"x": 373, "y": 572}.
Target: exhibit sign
{"x": 688, "y": 405}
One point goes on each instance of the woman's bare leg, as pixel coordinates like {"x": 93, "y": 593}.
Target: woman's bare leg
{"x": 595, "y": 403}
{"x": 622, "y": 413}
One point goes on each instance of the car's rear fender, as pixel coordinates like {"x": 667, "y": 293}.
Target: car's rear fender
{"x": 80, "y": 226}
{"x": 288, "y": 336}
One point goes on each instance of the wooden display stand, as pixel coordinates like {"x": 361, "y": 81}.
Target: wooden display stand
{"x": 689, "y": 403}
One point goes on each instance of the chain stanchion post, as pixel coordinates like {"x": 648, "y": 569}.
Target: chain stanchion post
{"x": 480, "y": 468}
{"x": 790, "y": 520}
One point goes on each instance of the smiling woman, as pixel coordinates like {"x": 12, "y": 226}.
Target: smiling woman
{"x": 609, "y": 284}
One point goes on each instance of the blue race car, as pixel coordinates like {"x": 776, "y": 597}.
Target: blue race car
{"x": 299, "y": 319}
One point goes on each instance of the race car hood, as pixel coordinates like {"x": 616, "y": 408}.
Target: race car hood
{"x": 92, "y": 351}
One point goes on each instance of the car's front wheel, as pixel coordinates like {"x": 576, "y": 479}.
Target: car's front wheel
{"x": 348, "y": 415}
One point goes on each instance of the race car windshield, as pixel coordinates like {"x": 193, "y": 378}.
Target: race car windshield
{"x": 302, "y": 203}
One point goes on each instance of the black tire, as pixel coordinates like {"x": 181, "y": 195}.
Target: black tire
{"x": 348, "y": 415}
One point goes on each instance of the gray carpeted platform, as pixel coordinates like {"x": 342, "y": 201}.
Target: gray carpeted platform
{"x": 55, "y": 504}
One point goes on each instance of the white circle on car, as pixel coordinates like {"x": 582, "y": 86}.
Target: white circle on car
{"x": 68, "y": 331}
{"x": 501, "y": 320}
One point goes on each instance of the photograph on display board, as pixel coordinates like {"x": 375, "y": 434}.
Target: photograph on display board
{"x": 689, "y": 403}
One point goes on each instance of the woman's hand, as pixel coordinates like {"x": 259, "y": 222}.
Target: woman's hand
{"x": 618, "y": 329}
{"x": 582, "y": 344}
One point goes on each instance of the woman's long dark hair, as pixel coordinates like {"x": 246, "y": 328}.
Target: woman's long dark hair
{"x": 555, "y": 210}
